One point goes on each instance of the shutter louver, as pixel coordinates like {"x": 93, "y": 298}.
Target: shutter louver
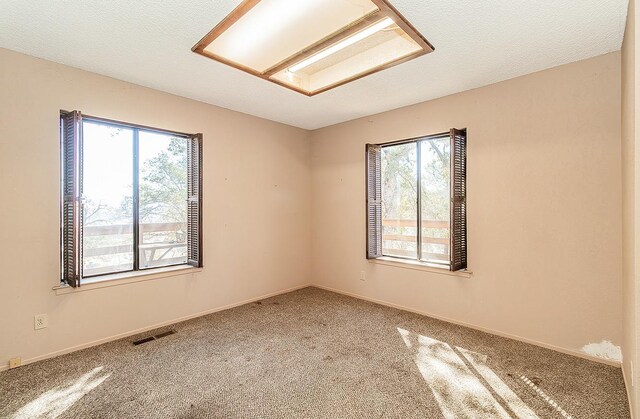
{"x": 458, "y": 252}
{"x": 194, "y": 201}
{"x": 374, "y": 201}
{"x": 72, "y": 198}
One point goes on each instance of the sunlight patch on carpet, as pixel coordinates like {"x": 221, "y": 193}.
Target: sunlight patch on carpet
{"x": 456, "y": 389}
{"x": 515, "y": 403}
{"x": 548, "y": 399}
{"x": 54, "y": 402}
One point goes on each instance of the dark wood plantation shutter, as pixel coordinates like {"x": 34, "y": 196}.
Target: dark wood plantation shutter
{"x": 72, "y": 198}
{"x": 374, "y": 201}
{"x": 458, "y": 251}
{"x": 194, "y": 201}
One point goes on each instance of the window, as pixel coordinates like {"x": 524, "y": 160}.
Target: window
{"x": 131, "y": 198}
{"x": 416, "y": 200}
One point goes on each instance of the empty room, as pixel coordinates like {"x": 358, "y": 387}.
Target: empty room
{"x": 319, "y": 209}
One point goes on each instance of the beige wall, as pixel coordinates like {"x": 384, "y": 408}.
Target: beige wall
{"x": 544, "y": 198}
{"x": 629, "y": 208}
{"x": 256, "y": 209}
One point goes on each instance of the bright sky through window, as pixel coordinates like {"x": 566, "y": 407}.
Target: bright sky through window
{"x": 102, "y": 155}
{"x": 108, "y": 190}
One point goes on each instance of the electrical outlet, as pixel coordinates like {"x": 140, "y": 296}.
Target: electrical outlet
{"x": 15, "y": 362}
{"x": 40, "y": 321}
{"x": 363, "y": 275}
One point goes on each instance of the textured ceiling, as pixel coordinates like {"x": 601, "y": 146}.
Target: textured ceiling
{"x": 149, "y": 43}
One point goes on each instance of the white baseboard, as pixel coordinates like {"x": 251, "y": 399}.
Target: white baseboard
{"x": 147, "y": 328}
{"x": 629, "y": 388}
{"x": 473, "y": 326}
{"x": 273, "y": 294}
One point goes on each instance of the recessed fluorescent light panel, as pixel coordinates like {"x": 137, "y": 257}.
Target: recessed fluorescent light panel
{"x": 311, "y": 46}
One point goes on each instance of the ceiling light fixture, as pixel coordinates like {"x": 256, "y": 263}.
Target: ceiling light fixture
{"x": 312, "y": 46}
{"x": 343, "y": 44}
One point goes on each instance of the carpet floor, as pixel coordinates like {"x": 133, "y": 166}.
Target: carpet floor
{"x": 314, "y": 354}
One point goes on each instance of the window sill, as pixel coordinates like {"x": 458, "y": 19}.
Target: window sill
{"x": 113, "y": 280}
{"x": 420, "y": 266}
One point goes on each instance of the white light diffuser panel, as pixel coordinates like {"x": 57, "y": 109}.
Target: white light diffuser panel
{"x": 312, "y": 46}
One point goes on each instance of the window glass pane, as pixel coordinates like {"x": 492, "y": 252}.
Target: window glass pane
{"x": 399, "y": 196}
{"x": 108, "y": 192}
{"x": 163, "y": 200}
{"x": 435, "y": 191}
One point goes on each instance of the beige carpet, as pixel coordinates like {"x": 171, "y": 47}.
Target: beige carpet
{"x": 315, "y": 354}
